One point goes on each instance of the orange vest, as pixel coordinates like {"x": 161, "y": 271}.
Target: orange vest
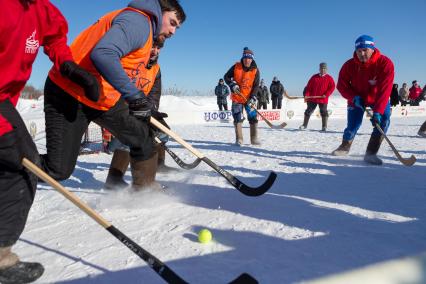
{"x": 245, "y": 80}
{"x": 148, "y": 78}
{"x": 133, "y": 63}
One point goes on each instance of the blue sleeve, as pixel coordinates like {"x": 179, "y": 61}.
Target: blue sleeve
{"x": 129, "y": 32}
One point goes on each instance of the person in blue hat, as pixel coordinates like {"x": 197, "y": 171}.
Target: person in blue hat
{"x": 366, "y": 80}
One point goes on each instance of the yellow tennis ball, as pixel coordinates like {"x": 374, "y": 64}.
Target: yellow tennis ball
{"x": 204, "y": 236}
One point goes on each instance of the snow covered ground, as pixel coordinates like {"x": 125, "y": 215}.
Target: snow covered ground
{"x": 323, "y": 215}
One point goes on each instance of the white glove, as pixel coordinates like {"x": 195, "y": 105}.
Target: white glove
{"x": 235, "y": 88}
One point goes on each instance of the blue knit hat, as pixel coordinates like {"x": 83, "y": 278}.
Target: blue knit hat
{"x": 247, "y": 53}
{"x": 364, "y": 41}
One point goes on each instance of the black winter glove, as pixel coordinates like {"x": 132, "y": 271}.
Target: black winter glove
{"x": 10, "y": 154}
{"x": 141, "y": 107}
{"x": 81, "y": 77}
{"x": 157, "y": 132}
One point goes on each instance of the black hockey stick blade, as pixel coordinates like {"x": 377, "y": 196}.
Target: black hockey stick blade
{"x": 157, "y": 265}
{"x": 239, "y": 185}
{"x": 180, "y": 162}
{"x": 244, "y": 278}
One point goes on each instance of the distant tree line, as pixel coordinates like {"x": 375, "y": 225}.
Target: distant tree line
{"x": 31, "y": 93}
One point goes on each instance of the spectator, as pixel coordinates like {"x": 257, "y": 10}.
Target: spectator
{"x": 394, "y": 99}
{"x": 404, "y": 95}
{"x": 262, "y": 96}
{"x": 414, "y": 95}
{"x": 277, "y": 90}
{"x": 222, "y": 92}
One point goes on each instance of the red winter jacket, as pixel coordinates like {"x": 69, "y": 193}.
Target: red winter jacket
{"x": 415, "y": 93}
{"x": 319, "y": 86}
{"x": 23, "y": 29}
{"x": 372, "y": 81}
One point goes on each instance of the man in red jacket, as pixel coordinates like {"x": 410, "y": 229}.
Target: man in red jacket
{"x": 414, "y": 94}
{"x": 366, "y": 81}
{"x": 25, "y": 26}
{"x": 319, "y": 89}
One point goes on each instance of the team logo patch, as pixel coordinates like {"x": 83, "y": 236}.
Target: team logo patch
{"x": 32, "y": 45}
{"x": 290, "y": 114}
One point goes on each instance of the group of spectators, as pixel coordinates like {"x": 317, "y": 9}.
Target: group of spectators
{"x": 276, "y": 89}
{"x": 404, "y": 96}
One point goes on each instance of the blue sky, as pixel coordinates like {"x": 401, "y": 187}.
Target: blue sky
{"x": 289, "y": 39}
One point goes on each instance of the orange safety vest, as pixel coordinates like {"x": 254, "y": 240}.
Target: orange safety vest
{"x": 133, "y": 63}
{"x": 148, "y": 78}
{"x": 244, "y": 79}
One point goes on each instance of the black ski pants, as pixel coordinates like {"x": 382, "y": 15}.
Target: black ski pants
{"x": 67, "y": 119}
{"x": 276, "y": 102}
{"x": 17, "y": 187}
{"x": 311, "y": 107}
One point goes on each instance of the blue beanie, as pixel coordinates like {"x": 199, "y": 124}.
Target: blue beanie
{"x": 364, "y": 41}
{"x": 247, "y": 53}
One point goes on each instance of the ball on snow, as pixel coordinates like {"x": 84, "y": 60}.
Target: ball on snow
{"x": 204, "y": 236}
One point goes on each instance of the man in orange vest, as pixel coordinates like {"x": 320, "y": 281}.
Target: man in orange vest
{"x": 121, "y": 158}
{"x": 243, "y": 80}
{"x": 116, "y": 50}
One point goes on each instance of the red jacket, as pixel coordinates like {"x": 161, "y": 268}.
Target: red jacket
{"x": 414, "y": 93}
{"x": 22, "y": 31}
{"x": 319, "y": 86}
{"x": 372, "y": 81}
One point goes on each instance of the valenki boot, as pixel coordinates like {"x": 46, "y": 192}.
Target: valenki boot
{"x": 372, "y": 149}
{"x": 305, "y": 122}
{"x": 238, "y": 133}
{"x": 14, "y": 271}
{"x": 254, "y": 139}
{"x": 343, "y": 149}
{"x": 119, "y": 164}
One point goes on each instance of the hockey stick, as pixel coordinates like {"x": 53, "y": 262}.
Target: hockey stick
{"x": 239, "y": 185}
{"x": 281, "y": 126}
{"x": 178, "y": 160}
{"x": 157, "y": 265}
{"x": 292, "y": 98}
{"x": 405, "y": 161}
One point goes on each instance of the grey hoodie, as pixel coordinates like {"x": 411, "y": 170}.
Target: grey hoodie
{"x": 129, "y": 32}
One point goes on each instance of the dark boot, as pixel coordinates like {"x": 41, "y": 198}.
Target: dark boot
{"x": 254, "y": 139}
{"x": 324, "y": 123}
{"x": 14, "y": 271}
{"x": 143, "y": 173}
{"x": 343, "y": 149}
{"x": 238, "y": 133}
{"x": 305, "y": 122}
{"x": 422, "y": 130}
{"x": 162, "y": 168}
{"x": 372, "y": 149}
{"x": 119, "y": 164}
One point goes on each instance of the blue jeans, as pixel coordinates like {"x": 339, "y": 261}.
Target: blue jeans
{"x": 355, "y": 116}
{"x": 237, "y": 113}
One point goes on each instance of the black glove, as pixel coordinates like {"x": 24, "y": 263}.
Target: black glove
{"x": 10, "y": 154}
{"x": 141, "y": 107}
{"x": 157, "y": 132}
{"x": 83, "y": 78}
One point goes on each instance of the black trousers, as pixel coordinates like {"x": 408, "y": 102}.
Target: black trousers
{"x": 222, "y": 106}
{"x": 311, "y": 107}
{"x": 263, "y": 105}
{"x": 67, "y": 119}
{"x": 17, "y": 187}
{"x": 276, "y": 102}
